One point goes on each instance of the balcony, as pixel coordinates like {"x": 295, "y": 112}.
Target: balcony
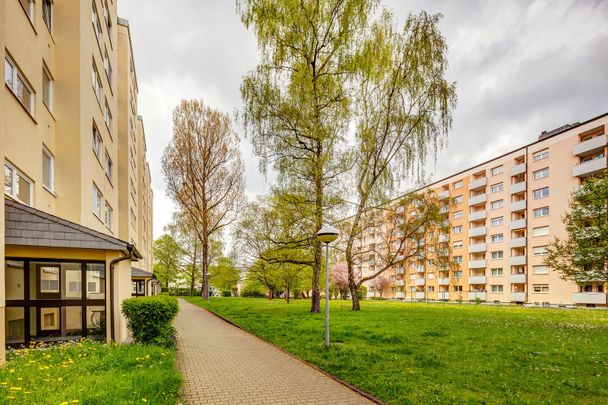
{"x": 419, "y": 295}
{"x": 419, "y": 269}
{"x": 517, "y": 297}
{"x": 478, "y": 199}
{"x": 443, "y": 295}
{"x": 517, "y": 260}
{"x": 444, "y": 209}
{"x": 478, "y": 215}
{"x": 399, "y": 270}
{"x": 479, "y": 247}
{"x": 444, "y": 195}
{"x": 473, "y": 295}
{"x": 517, "y": 278}
{"x": 518, "y": 206}
{"x": 477, "y": 264}
{"x": 420, "y": 281}
{"x": 399, "y": 294}
{"x": 444, "y": 253}
{"x": 518, "y": 187}
{"x": 518, "y": 224}
{"x": 479, "y": 183}
{"x": 589, "y": 298}
{"x": 444, "y": 237}
{"x": 477, "y": 279}
{"x": 519, "y": 169}
{"x": 517, "y": 242}
{"x": 590, "y": 145}
{"x": 589, "y": 168}
{"x": 400, "y": 283}
{"x": 443, "y": 281}
{"x": 479, "y": 231}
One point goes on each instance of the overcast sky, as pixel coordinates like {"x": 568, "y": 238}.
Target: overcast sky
{"x": 520, "y": 67}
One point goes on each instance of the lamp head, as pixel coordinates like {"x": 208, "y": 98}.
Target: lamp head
{"x": 328, "y": 234}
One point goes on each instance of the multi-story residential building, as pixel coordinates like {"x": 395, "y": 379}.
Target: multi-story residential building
{"x": 67, "y": 240}
{"x": 501, "y": 216}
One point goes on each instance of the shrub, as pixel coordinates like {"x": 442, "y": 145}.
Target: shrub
{"x": 226, "y": 294}
{"x": 362, "y": 292}
{"x": 252, "y": 291}
{"x": 149, "y": 319}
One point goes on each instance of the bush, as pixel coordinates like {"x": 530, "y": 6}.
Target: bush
{"x": 149, "y": 319}
{"x": 362, "y": 292}
{"x": 226, "y": 294}
{"x": 252, "y": 292}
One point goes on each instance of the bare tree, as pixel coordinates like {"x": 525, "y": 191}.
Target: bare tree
{"x": 203, "y": 172}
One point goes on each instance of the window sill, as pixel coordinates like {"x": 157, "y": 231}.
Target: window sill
{"x": 28, "y": 18}
{"x": 21, "y": 104}
{"x": 49, "y": 110}
{"x": 48, "y": 190}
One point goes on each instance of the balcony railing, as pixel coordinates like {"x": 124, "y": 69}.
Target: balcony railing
{"x": 444, "y": 237}
{"x": 400, "y": 282}
{"x": 517, "y": 297}
{"x": 518, "y": 205}
{"x": 399, "y": 294}
{"x": 478, "y": 199}
{"x": 589, "y": 298}
{"x": 518, "y": 224}
{"x": 517, "y": 260}
{"x": 478, "y": 215}
{"x": 473, "y": 295}
{"x": 420, "y": 281}
{"x": 479, "y": 231}
{"x": 590, "y": 167}
{"x": 444, "y": 194}
{"x": 477, "y": 280}
{"x": 519, "y": 169}
{"x": 443, "y": 281}
{"x": 477, "y": 264}
{"x": 479, "y": 247}
{"x": 479, "y": 183}
{"x": 443, "y": 295}
{"x": 518, "y": 187}
{"x": 517, "y": 242}
{"x": 517, "y": 278}
{"x": 419, "y": 295}
{"x": 599, "y": 142}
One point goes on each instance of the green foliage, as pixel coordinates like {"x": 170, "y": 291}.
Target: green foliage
{"x": 252, "y": 290}
{"x": 89, "y": 372}
{"x": 410, "y": 353}
{"x": 224, "y": 275}
{"x": 150, "y": 318}
{"x": 167, "y": 256}
{"x": 362, "y": 292}
{"x": 226, "y": 293}
{"x": 583, "y": 256}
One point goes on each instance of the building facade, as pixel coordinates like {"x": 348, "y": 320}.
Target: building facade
{"x": 501, "y": 215}
{"x": 73, "y": 154}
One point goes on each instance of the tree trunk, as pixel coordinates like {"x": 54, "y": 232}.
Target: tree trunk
{"x": 270, "y": 294}
{"x": 287, "y": 295}
{"x": 205, "y": 290}
{"x": 354, "y": 297}
{"x": 315, "y": 305}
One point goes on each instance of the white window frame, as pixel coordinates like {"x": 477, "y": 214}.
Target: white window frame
{"x": 499, "y": 221}
{"x": 540, "y": 155}
{"x": 30, "y": 10}
{"x": 458, "y": 184}
{"x": 540, "y": 174}
{"x": 542, "y": 193}
{"x": 495, "y": 171}
{"x": 108, "y": 215}
{"x": 17, "y": 174}
{"x": 95, "y": 21}
{"x": 49, "y": 22}
{"x": 97, "y": 202}
{"x": 107, "y": 116}
{"x": 97, "y": 143}
{"x": 457, "y": 199}
{"x": 17, "y": 74}
{"x": 457, "y": 214}
{"x": 458, "y": 244}
{"x": 498, "y": 236}
{"x": 108, "y": 165}
{"x": 96, "y": 83}
{"x": 47, "y": 152}
{"x": 540, "y": 288}
{"x": 497, "y": 255}
{"x": 497, "y": 204}
{"x": 540, "y": 269}
{"x": 497, "y": 288}
{"x": 535, "y": 231}
{"x": 543, "y": 211}
{"x": 539, "y": 251}
{"x": 497, "y": 188}
{"x": 457, "y": 229}
{"x": 497, "y": 272}
{"x": 45, "y": 72}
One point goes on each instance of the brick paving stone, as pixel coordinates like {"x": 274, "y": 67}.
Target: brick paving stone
{"x": 223, "y": 364}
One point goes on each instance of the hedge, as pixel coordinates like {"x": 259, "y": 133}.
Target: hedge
{"x": 150, "y": 318}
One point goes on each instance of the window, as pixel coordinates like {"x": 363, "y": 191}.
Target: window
{"x": 107, "y": 116}
{"x": 28, "y": 6}
{"x": 458, "y": 288}
{"x": 106, "y": 15}
{"x": 132, "y": 218}
{"x": 497, "y": 170}
{"x": 457, "y": 229}
{"x": 497, "y": 272}
{"x": 47, "y": 88}
{"x": 541, "y": 174}
{"x": 15, "y": 80}
{"x": 541, "y": 212}
{"x": 457, "y": 185}
{"x": 107, "y": 66}
{"x": 497, "y": 204}
{"x": 540, "y": 269}
{"x": 540, "y": 231}
{"x": 109, "y": 213}
{"x": 17, "y": 184}
{"x": 539, "y": 251}
{"x": 132, "y": 188}
{"x": 540, "y": 288}
{"x": 541, "y": 193}
{"x": 97, "y": 201}
{"x": 457, "y": 245}
{"x": 540, "y": 155}
{"x": 496, "y": 238}
{"x": 457, "y": 199}
{"x": 457, "y": 215}
{"x": 95, "y": 21}
{"x": 496, "y": 188}
{"x": 497, "y": 255}
{"x": 97, "y": 87}
{"x": 497, "y": 221}
{"x": 457, "y": 259}
{"x": 497, "y": 288}
{"x": 47, "y": 13}
{"x": 108, "y": 166}
{"x": 48, "y": 167}
{"x": 431, "y": 288}
{"x": 97, "y": 141}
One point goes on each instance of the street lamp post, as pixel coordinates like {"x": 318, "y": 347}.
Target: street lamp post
{"x": 327, "y": 234}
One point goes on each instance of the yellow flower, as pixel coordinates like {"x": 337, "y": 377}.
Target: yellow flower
{"x": 60, "y": 379}
{"x": 64, "y": 403}
{"x": 75, "y": 401}
{"x": 11, "y": 370}
{"x": 144, "y": 400}
{"x": 15, "y": 388}
{"x": 4, "y": 383}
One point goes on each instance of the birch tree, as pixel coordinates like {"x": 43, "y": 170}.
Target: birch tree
{"x": 203, "y": 172}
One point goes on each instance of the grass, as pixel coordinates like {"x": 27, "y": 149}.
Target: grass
{"x": 432, "y": 353}
{"x": 90, "y": 373}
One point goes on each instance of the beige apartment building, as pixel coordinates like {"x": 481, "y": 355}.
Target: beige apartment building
{"x": 501, "y": 215}
{"x": 76, "y": 222}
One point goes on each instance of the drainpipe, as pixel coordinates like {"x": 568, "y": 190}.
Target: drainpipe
{"x": 131, "y": 255}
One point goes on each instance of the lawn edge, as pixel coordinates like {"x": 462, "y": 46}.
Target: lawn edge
{"x": 333, "y": 377}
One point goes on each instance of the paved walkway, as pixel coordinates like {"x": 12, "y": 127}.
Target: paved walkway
{"x": 222, "y": 364}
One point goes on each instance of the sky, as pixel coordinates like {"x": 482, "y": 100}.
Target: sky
{"x": 520, "y": 67}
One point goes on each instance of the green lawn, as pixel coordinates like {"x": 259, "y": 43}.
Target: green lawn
{"x": 442, "y": 353}
{"x": 90, "y": 373}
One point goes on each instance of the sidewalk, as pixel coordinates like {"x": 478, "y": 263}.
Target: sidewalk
{"x": 222, "y": 364}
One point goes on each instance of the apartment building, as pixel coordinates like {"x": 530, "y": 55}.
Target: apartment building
{"x": 68, "y": 244}
{"x": 500, "y": 216}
